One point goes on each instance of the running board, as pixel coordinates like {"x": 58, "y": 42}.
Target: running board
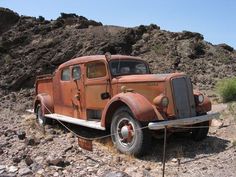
{"x": 86, "y": 123}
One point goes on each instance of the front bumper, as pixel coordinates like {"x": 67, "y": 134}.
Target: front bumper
{"x": 182, "y": 122}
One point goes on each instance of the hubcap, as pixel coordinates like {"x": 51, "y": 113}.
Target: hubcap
{"x": 39, "y": 116}
{"x": 126, "y": 132}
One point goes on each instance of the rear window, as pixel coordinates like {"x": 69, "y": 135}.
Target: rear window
{"x": 65, "y": 74}
{"x": 96, "y": 69}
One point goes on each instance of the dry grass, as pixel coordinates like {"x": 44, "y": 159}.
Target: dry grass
{"x": 234, "y": 143}
{"x": 232, "y": 109}
{"x": 29, "y": 121}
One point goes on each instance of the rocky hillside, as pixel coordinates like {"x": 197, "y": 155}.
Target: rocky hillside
{"x": 31, "y": 46}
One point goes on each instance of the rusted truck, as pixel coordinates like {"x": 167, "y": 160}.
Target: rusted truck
{"x": 119, "y": 94}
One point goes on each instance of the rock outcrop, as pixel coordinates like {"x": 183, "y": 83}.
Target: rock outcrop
{"x": 32, "y": 46}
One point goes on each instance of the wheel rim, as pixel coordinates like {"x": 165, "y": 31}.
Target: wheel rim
{"x": 40, "y": 116}
{"x": 126, "y": 132}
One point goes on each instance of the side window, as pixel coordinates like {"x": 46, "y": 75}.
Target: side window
{"x": 76, "y": 73}
{"x": 96, "y": 69}
{"x": 65, "y": 74}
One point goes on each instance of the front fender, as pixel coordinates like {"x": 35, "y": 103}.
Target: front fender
{"x": 46, "y": 102}
{"x": 141, "y": 108}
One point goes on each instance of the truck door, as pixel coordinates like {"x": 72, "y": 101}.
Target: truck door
{"x": 63, "y": 90}
{"x": 96, "y": 84}
{"x": 77, "y": 90}
{"x": 67, "y": 92}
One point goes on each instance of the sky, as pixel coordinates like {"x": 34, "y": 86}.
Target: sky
{"x": 215, "y": 19}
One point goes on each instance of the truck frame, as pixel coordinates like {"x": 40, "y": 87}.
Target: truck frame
{"x": 118, "y": 93}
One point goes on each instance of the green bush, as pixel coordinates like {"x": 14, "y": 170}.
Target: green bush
{"x": 227, "y": 89}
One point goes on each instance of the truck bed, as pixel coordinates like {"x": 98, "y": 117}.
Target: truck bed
{"x": 44, "y": 84}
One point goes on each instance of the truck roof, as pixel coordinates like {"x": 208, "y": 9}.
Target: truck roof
{"x": 86, "y": 59}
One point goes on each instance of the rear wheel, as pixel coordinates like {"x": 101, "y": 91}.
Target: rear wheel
{"x": 127, "y": 133}
{"x": 200, "y": 133}
{"x": 39, "y": 116}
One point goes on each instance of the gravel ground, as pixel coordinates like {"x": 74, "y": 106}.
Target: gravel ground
{"x": 28, "y": 150}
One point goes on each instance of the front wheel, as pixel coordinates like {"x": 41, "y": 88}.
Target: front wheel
{"x": 127, "y": 133}
{"x": 200, "y": 133}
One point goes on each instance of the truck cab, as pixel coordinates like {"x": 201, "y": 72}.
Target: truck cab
{"x": 119, "y": 94}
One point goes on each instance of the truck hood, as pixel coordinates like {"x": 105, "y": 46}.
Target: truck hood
{"x": 146, "y": 77}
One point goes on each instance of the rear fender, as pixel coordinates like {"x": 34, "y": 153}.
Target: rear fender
{"x": 141, "y": 108}
{"x": 46, "y": 103}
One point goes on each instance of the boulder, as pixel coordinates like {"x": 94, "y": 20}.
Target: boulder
{"x": 226, "y": 47}
{"x": 7, "y": 19}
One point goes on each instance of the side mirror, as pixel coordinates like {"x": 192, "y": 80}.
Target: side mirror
{"x": 105, "y": 96}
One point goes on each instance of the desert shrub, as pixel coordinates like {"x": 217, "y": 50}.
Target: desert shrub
{"x": 227, "y": 89}
{"x": 159, "y": 49}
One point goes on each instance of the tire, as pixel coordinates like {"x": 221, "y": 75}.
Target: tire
{"x": 41, "y": 120}
{"x": 127, "y": 135}
{"x": 199, "y": 134}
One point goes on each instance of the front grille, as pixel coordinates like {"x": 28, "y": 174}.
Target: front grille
{"x": 183, "y": 97}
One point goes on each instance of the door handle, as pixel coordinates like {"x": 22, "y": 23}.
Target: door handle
{"x": 77, "y": 97}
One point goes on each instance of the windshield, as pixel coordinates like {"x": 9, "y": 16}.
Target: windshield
{"x": 128, "y": 67}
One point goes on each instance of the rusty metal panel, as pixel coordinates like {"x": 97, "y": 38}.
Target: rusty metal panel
{"x": 85, "y": 144}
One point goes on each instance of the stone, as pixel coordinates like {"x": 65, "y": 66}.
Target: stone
{"x": 1, "y": 151}
{"x": 146, "y": 173}
{"x": 148, "y": 167}
{"x": 56, "y": 161}
{"x": 69, "y": 135}
{"x": 1, "y": 171}
{"x": 39, "y": 159}
{"x": 68, "y": 149}
{"x": 12, "y": 169}
{"x": 2, "y": 167}
{"x": 21, "y": 135}
{"x": 40, "y": 171}
{"x": 28, "y": 160}
{"x": 35, "y": 167}
{"x": 174, "y": 160}
{"x": 24, "y": 171}
{"x": 32, "y": 141}
{"x": 16, "y": 160}
{"x": 216, "y": 123}
{"x": 118, "y": 159}
{"x": 9, "y": 133}
{"x": 56, "y": 174}
{"x": 116, "y": 174}
{"x": 49, "y": 138}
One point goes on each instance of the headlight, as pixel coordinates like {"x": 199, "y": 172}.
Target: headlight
{"x": 165, "y": 101}
{"x": 161, "y": 101}
{"x": 200, "y": 98}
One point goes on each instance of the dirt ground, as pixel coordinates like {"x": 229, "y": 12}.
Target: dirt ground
{"x": 55, "y": 151}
